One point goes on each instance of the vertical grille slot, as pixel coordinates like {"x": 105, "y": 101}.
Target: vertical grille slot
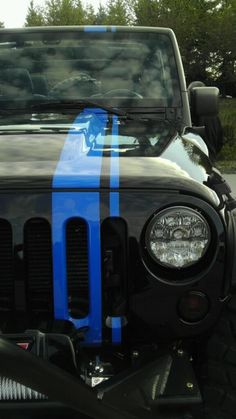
{"x": 6, "y": 267}
{"x": 38, "y": 262}
{"x": 114, "y": 252}
{"x": 77, "y": 267}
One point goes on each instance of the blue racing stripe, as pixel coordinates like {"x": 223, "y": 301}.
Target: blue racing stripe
{"x": 114, "y": 174}
{"x": 95, "y": 29}
{"x": 115, "y": 208}
{"x": 86, "y": 205}
{"x": 116, "y": 330}
{"x": 78, "y": 169}
{"x": 114, "y": 204}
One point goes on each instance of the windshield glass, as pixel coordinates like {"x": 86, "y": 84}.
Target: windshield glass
{"x": 125, "y": 68}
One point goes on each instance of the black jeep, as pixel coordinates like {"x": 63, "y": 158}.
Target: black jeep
{"x": 118, "y": 236}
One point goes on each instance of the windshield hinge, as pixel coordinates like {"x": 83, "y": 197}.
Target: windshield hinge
{"x": 221, "y": 187}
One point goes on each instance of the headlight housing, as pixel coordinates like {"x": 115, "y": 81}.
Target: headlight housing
{"x": 177, "y": 237}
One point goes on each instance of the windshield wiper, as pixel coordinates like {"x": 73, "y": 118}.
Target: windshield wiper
{"x": 65, "y": 106}
{"x": 134, "y": 114}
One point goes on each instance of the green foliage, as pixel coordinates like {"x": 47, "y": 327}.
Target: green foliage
{"x": 101, "y": 15}
{"x": 224, "y": 33}
{"x": 205, "y": 29}
{"x": 34, "y": 16}
{"x": 73, "y": 12}
{"x": 117, "y": 13}
{"x": 64, "y": 12}
{"x": 1, "y": 25}
{"x": 90, "y": 16}
{"x": 60, "y": 13}
{"x": 228, "y": 120}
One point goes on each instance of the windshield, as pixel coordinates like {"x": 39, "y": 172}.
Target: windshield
{"x": 124, "y": 68}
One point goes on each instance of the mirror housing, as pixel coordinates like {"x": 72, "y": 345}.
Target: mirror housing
{"x": 204, "y": 101}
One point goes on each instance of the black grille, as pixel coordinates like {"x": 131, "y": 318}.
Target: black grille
{"x": 6, "y": 267}
{"x": 38, "y": 260}
{"x": 114, "y": 254}
{"x": 77, "y": 267}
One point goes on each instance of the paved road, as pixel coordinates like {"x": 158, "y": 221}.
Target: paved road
{"x": 231, "y": 179}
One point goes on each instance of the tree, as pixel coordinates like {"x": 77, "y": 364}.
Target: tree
{"x": 34, "y": 16}
{"x": 194, "y": 23}
{"x": 52, "y": 13}
{"x": 146, "y": 12}
{"x": 78, "y": 11}
{"x": 90, "y": 16}
{"x": 66, "y": 12}
{"x": 117, "y": 13}
{"x": 101, "y": 15}
{"x": 225, "y": 46}
{"x": 60, "y": 13}
{"x": 1, "y": 25}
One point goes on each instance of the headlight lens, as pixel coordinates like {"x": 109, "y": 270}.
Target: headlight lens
{"x": 178, "y": 237}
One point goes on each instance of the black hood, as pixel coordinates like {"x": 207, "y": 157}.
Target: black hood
{"x": 102, "y": 152}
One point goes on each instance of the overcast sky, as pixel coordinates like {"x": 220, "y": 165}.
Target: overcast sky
{"x": 13, "y": 12}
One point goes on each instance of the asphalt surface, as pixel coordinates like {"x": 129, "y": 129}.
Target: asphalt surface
{"x": 231, "y": 179}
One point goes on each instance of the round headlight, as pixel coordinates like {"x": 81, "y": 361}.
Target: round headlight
{"x": 177, "y": 237}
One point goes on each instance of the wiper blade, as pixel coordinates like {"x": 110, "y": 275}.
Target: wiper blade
{"x": 73, "y": 105}
{"x": 61, "y": 106}
{"x": 67, "y": 106}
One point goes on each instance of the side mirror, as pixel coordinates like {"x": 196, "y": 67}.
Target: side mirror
{"x": 204, "y": 101}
